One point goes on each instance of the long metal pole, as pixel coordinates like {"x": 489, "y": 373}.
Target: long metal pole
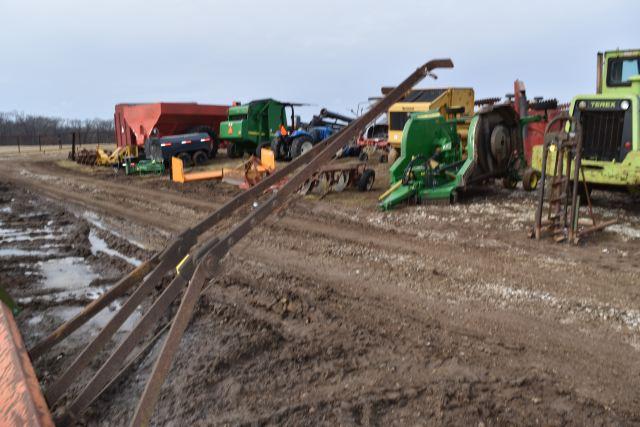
{"x": 207, "y": 267}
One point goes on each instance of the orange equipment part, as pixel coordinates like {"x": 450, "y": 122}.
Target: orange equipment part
{"x": 249, "y": 172}
{"x": 21, "y": 400}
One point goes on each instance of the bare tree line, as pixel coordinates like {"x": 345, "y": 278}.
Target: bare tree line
{"x": 27, "y": 129}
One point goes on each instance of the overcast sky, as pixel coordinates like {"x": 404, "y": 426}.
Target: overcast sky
{"x": 76, "y": 59}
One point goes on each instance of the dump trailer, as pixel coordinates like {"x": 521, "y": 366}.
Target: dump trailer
{"x": 192, "y": 259}
{"x": 136, "y": 124}
{"x": 610, "y": 124}
{"x": 251, "y": 126}
{"x": 443, "y": 100}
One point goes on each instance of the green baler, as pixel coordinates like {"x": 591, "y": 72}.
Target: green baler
{"x": 435, "y": 163}
{"x": 253, "y": 125}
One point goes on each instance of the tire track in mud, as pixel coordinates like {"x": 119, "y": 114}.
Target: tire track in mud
{"x": 311, "y": 253}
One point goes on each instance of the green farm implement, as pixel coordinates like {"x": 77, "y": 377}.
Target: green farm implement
{"x": 436, "y": 163}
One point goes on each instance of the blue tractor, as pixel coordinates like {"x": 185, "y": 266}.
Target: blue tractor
{"x": 289, "y": 145}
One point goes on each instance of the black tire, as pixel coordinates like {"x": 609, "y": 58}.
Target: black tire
{"x": 264, "y": 144}
{"x": 509, "y": 182}
{"x": 215, "y": 144}
{"x": 530, "y": 179}
{"x": 186, "y": 159}
{"x": 200, "y": 158}
{"x": 277, "y": 148}
{"x": 234, "y": 150}
{"x": 365, "y": 183}
{"x": 300, "y": 145}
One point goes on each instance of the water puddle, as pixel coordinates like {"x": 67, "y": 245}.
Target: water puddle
{"x": 14, "y": 252}
{"x": 100, "y": 245}
{"x": 66, "y": 273}
{"x": 94, "y": 219}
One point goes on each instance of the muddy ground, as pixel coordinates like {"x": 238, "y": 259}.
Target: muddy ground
{"x": 336, "y": 313}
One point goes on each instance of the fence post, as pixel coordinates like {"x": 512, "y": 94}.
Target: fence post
{"x": 73, "y": 146}
{"x": 40, "y": 142}
{"x": 18, "y": 143}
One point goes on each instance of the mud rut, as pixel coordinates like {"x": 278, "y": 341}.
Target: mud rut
{"x": 337, "y": 313}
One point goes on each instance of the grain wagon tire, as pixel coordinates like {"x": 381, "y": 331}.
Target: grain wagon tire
{"x": 365, "y": 183}
{"x": 530, "y": 179}
{"x": 200, "y": 158}
{"x": 301, "y": 145}
{"x": 186, "y": 159}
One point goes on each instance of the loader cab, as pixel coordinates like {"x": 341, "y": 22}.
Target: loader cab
{"x": 615, "y": 71}
{"x": 609, "y": 121}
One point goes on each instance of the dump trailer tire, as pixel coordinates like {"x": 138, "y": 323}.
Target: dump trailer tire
{"x": 301, "y": 145}
{"x": 368, "y": 177}
{"x": 530, "y": 179}
{"x": 200, "y": 158}
{"x": 215, "y": 144}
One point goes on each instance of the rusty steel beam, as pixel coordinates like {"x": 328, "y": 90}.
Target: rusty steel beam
{"x": 21, "y": 401}
{"x": 210, "y": 263}
{"x": 195, "y": 270}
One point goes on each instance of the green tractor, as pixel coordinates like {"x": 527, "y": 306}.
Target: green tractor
{"x": 436, "y": 163}
{"x": 610, "y": 124}
{"x": 252, "y": 126}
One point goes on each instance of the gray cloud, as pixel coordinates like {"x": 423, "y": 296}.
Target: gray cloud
{"x": 79, "y": 58}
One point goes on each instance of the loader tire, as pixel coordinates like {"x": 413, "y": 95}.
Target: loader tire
{"x": 365, "y": 183}
{"x": 530, "y": 179}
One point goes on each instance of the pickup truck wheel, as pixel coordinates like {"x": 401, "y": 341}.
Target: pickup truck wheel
{"x": 186, "y": 159}
{"x": 200, "y": 158}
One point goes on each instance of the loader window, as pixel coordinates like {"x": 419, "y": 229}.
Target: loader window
{"x": 620, "y": 69}
{"x": 397, "y": 119}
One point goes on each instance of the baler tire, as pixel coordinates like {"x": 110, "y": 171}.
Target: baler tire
{"x": 298, "y": 145}
{"x": 232, "y": 151}
{"x": 530, "y": 179}
{"x": 200, "y": 158}
{"x": 368, "y": 177}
